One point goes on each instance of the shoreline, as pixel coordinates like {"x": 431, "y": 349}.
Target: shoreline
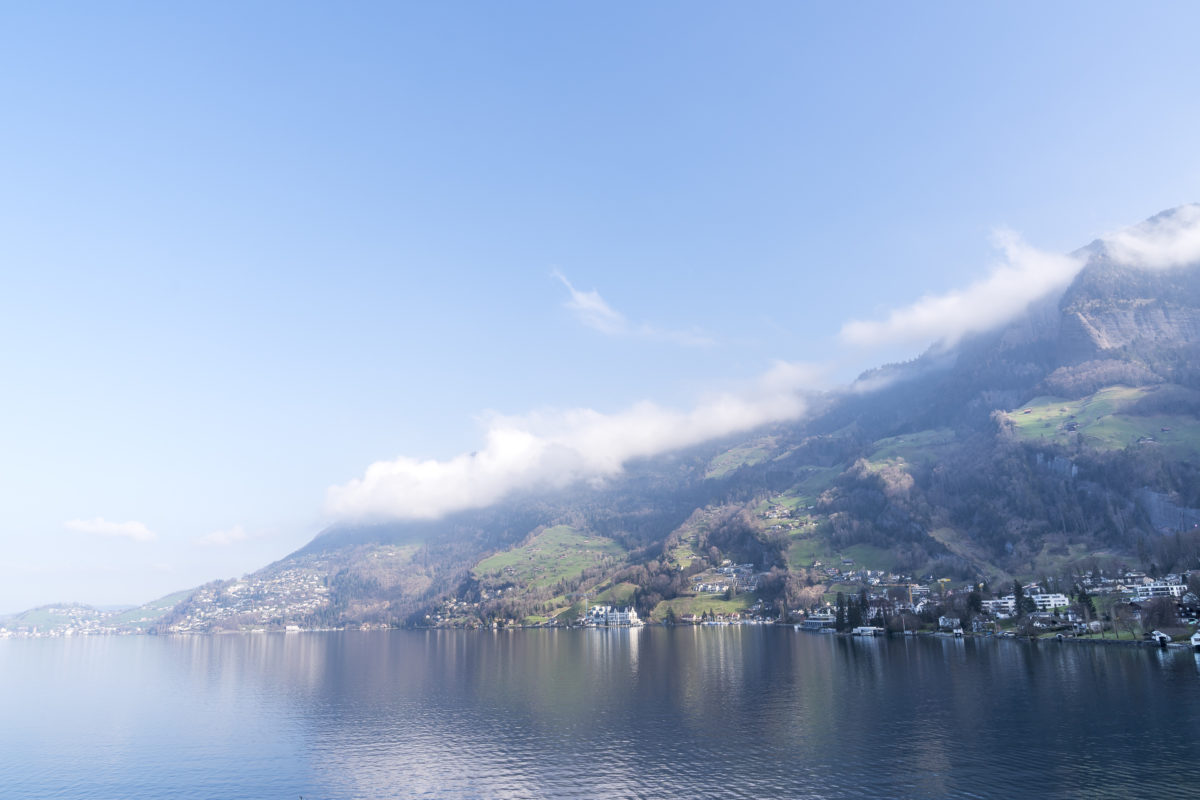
{"x": 1074, "y": 640}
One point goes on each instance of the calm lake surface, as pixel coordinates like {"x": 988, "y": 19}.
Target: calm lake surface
{"x": 688, "y": 712}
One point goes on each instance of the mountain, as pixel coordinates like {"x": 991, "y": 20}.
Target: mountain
{"x": 1066, "y": 440}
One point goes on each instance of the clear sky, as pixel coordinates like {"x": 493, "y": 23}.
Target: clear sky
{"x": 250, "y": 249}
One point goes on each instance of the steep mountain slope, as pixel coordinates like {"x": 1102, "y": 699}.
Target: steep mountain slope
{"x": 1070, "y": 433}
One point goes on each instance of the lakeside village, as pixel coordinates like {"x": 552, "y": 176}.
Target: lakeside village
{"x": 1129, "y": 607}
{"x": 1132, "y": 605}
{"x": 1125, "y": 606}
{"x": 252, "y": 603}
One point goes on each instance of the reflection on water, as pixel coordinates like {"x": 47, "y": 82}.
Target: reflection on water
{"x": 652, "y": 712}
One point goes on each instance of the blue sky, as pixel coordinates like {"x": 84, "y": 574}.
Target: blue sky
{"x": 249, "y": 250}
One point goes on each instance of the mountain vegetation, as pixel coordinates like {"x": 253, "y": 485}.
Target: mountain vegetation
{"x": 1064, "y": 441}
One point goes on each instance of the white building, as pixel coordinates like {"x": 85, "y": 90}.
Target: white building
{"x": 1043, "y": 602}
{"x": 611, "y": 616}
{"x": 1003, "y": 605}
{"x": 1158, "y": 589}
{"x": 1049, "y": 602}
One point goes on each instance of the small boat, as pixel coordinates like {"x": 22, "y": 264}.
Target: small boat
{"x": 1196, "y": 640}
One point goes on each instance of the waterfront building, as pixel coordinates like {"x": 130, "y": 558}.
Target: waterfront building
{"x": 611, "y": 616}
{"x": 816, "y": 622}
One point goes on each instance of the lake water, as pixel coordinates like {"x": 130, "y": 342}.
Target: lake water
{"x": 687, "y": 712}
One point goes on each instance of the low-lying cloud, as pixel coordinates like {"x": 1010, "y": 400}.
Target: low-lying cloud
{"x": 592, "y": 310}
{"x": 99, "y": 526}
{"x": 556, "y": 448}
{"x": 1023, "y": 275}
{"x": 1171, "y": 239}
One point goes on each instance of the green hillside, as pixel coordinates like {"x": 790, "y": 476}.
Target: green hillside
{"x": 741, "y": 456}
{"x": 549, "y": 557}
{"x": 1105, "y": 421}
{"x": 151, "y": 612}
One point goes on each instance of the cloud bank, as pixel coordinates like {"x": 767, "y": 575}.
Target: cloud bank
{"x": 592, "y": 310}
{"x": 1165, "y": 241}
{"x": 99, "y": 526}
{"x": 1023, "y": 275}
{"x": 556, "y": 448}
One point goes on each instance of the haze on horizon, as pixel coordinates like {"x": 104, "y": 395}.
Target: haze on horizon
{"x": 269, "y": 271}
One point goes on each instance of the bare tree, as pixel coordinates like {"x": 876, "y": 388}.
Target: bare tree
{"x": 1159, "y": 612}
{"x": 1084, "y": 612}
{"x": 1124, "y": 618}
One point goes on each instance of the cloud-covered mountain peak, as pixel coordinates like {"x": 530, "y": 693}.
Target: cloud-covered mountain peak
{"x": 1167, "y": 240}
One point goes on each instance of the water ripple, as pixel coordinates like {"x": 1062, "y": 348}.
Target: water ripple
{"x": 683, "y": 713}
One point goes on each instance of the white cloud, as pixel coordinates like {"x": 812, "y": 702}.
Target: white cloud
{"x": 1025, "y": 274}
{"x": 102, "y": 527}
{"x": 223, "y": 538}
{"x": 1170, "y": 239}
{"x": 592, "y": 310}
{"x": 556, "y": 448}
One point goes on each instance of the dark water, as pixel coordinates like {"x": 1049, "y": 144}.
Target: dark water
{"x": 688, "y": 712}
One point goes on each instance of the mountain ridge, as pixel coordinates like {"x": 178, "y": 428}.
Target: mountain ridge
{"x": 1112, "y": 324}
{"x": 1062, "y": 439}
